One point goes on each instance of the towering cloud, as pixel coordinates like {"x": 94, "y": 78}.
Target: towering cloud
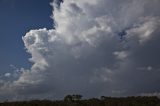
{"x": 98, "y": 47}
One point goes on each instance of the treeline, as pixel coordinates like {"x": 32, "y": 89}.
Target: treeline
{"x": 76, "y": 100}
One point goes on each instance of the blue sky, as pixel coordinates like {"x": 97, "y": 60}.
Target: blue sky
{"x": 16, "y": 18}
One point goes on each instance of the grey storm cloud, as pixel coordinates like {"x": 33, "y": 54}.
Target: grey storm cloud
{"x": 98, "y": 47}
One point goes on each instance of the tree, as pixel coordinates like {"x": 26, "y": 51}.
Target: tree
{"x": 77, "y": 97}
{"x": 72, "y": 97}
{"x": 68, "y": 98}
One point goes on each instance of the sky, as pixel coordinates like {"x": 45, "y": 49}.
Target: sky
{"x": 93, "y": 48}
{"x": 16, "y": 18}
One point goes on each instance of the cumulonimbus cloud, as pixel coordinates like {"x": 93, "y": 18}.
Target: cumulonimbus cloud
{"x": 84, "y": 53}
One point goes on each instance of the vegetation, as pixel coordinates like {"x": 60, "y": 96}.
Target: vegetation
{"x": 75, "y": 100}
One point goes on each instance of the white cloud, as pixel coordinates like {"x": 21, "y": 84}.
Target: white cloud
{"x": 145, "y": 29}
{"x": 82, "y": 55}
{"x": 148, "y": 68}
{"x": 121, "y": 54}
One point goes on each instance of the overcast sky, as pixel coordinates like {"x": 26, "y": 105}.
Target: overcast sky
{"x": 92, "y": 48}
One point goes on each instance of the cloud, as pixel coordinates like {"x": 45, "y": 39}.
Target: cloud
{"x": 146, "y": 30}
{"x": 151, "y": 94}
{"x": 84, "y": 53}
{"x": 7, "y": 74}
{"x": 121, "y": 54}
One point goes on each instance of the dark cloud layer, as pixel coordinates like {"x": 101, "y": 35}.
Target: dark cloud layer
{"x": 85, "y": 54}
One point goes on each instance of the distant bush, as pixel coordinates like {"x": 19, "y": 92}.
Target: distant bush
{"x": 75, "y": 100}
